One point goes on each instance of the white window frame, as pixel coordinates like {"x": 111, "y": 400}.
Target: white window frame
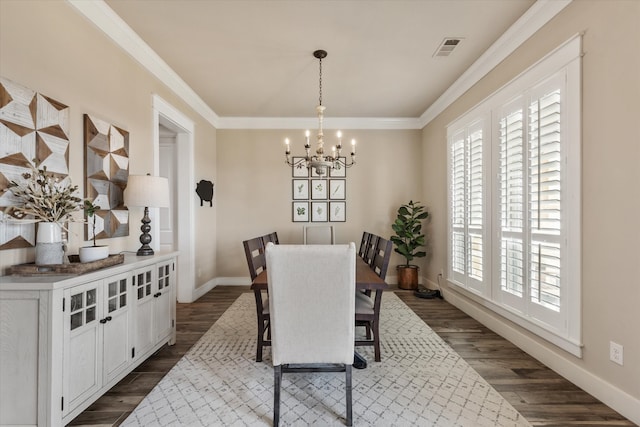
{"x": 562, "y": 328}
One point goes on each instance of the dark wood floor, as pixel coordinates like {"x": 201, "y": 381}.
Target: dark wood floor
{"x": 539, "y": 394}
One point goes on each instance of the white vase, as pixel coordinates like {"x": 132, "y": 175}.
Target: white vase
{"x": 49, "y": 245}
{"x": 93, "y": 253}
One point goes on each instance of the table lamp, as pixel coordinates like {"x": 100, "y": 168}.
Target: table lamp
{"x": 146, "y": 191}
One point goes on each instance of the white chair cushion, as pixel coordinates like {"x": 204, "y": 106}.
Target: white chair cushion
{"x": 364, "y": 304}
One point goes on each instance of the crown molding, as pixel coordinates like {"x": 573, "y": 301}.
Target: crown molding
{"x": 103, "y": 17}
{"x": 541, "y": 12}
{"x": 375, "y": 123}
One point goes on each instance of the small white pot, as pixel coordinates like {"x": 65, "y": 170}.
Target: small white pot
{"x": 93, "y": 253}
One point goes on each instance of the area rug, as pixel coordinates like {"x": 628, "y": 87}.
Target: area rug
{"x": 420, "y": 381}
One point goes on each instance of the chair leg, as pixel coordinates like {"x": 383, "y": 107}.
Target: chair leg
{"x": 277, "y": 381}
{"x": 348, "y": 389}
{"x": 376, "y": 340}
{"x": 260, "y": 340}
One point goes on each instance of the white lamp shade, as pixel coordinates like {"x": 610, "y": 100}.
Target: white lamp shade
{"x": 147, "y": 191}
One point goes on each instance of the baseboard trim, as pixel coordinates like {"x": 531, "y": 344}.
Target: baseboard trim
{"x": 607, "y": 393}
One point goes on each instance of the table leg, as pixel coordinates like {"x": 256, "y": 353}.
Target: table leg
{"x": 359, "y": 362}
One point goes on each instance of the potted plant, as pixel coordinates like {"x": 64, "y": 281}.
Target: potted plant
{"x": 45, "y": 198}
{"x": 95, "y": 252}
{"x": 408, "y": 241}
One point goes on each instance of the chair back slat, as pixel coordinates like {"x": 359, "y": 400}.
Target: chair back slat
{"x": 254, "y": 251}
{"x": 362, "y": 251}
{"x": 381, "y": 257}
{"x": 371, "y": 248}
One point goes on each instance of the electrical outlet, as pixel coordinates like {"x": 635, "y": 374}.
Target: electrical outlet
{"x": 616, "y": 353}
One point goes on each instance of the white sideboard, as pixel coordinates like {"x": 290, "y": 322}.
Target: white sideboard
{"x": 66, "y": 340}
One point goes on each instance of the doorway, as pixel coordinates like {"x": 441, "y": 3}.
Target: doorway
{"x": 173, "y": 158}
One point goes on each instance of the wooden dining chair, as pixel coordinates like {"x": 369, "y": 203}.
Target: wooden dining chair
{"x": 312, "y": 311}
{"x": 368, "y": 306}
{"x": 256, "y": 260}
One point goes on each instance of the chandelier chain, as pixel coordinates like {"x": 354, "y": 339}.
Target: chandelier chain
{"x": 320, "y": 97}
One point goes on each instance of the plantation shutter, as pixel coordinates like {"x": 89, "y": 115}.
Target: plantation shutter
{"x": 475, "y": 183}
{"x": 457, "y": 206}
{"x": 467, "y": 221}
{"x": 512, "y": 203}
{"x": 545, "y": 198}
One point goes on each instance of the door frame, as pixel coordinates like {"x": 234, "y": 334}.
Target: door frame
{"x": 165, "y": 114}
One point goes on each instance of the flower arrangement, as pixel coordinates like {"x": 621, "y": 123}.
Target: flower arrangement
{"x": 43, "y": 196}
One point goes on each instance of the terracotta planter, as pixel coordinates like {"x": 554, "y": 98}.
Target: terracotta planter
{"x": 408, "y": 276}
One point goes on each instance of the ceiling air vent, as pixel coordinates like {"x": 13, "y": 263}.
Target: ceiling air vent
{"x": 447, "y": 46}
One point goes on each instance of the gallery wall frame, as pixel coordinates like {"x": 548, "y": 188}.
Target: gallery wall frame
{"x": 319, "y": 212}
{"x": 300, "y": 211}
{"x": 300, "y": 189}
{"x": 337, "y": 211}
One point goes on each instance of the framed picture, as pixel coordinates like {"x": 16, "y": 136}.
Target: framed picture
{"x": 300, "y": 212}
{"x": 337, "y": 211}
{"x": 319, "y": 212}
{"x": 336, "y": 189}
{"x": 339, "y": 173}
{"x": 299, "y": 169}
{"x": 300, "y": 189}
{"x": 319, "y": 189}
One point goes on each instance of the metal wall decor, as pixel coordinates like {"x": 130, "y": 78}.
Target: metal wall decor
{"x": 318, "y": 198}
{"x": 106, "y": 172}
{"x": 204, "y": 190}
{"x": 33, "y": 127}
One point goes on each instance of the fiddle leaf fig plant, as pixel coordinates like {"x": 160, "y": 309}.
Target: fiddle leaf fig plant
{"x": 408, "y": 228}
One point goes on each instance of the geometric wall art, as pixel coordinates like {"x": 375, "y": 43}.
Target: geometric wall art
{"x": 107, "y": 173}
{"x": 33, "y": 127}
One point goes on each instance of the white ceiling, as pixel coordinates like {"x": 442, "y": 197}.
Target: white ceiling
{"x": 253, "y": 58}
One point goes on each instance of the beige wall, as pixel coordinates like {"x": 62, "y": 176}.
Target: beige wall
{"x": 254, "y": 188}
{"x": 48, "y": 47}
{"x": 610, "y": 179}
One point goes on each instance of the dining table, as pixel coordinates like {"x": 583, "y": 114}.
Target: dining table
{"x": 366, "y": 280}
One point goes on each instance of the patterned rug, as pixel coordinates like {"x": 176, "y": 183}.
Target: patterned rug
{"x": 421, "y": 381}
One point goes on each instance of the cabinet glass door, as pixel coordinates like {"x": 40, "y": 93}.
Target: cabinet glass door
{"x": 82, "y": 356}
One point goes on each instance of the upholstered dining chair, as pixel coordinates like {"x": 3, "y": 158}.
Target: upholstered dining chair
{"x": 319, "y": 235}
{"x": 256, "y": 261}
{"x": 312, "y": 310}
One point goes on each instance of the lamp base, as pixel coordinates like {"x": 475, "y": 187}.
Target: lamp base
{"x": 145, "y": 237}
{"x": 145, "y": 250}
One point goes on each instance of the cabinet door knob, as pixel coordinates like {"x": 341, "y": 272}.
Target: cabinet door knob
{"x": 103, "y": 321}
{"x": 157, "y": 295}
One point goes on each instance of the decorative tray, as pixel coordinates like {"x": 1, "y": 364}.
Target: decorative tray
{"x": 74, "y": 266}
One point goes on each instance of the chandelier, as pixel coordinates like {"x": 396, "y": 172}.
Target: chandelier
{"x": 320, "y": 161}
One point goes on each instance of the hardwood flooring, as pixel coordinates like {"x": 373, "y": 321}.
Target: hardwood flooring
{"x": 543, "y": 397}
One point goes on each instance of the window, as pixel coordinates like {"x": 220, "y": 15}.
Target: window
{"x": 514, "y": 199}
